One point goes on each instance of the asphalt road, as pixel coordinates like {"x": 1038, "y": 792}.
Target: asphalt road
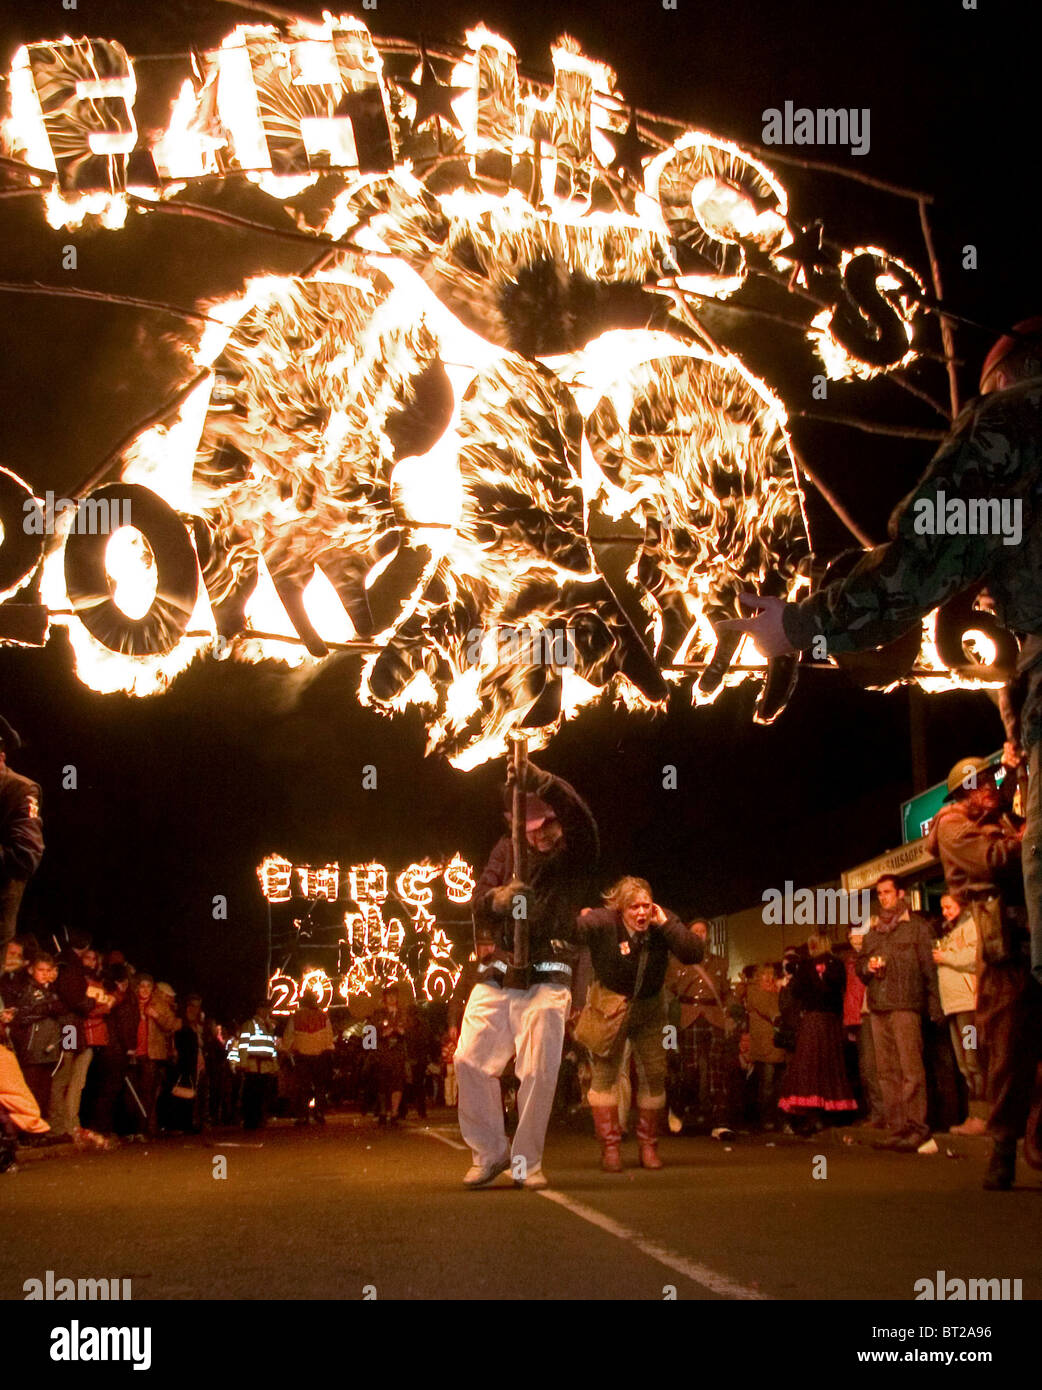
{"x": 334, "y": 1213}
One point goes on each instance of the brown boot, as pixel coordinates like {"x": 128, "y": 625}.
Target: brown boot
{"x": 609, "y": 1132}
{"x": 647, "y": 1137}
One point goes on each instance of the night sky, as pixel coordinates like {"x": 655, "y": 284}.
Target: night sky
{"x": 178, "y": 797}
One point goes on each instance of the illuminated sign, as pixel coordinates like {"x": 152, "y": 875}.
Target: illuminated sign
{"x": 373, "y": 948}
{"x": 388, "y": 453}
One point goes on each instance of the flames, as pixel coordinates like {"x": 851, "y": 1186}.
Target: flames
{"x": 442, "y": 487}
{"x": 365, "y": 466}
{"x": 893, "y": 280}
{"x": 371, "y": 949}
{"x": 451, "y": 439}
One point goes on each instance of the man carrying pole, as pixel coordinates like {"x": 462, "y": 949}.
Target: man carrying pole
{"x": 528, "y": 896}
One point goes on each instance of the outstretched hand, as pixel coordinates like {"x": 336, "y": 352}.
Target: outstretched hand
{"x": 764, "y": 626}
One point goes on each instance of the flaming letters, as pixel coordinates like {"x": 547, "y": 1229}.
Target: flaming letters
{"x": 406, "y": 446}
{"x": 372, "y": 950}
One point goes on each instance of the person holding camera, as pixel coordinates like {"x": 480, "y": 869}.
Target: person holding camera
{"x": 630, "y": 940}
{"x": 896, "y": 962}
{"x": 981, "y": 850}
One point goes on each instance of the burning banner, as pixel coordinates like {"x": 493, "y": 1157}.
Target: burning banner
{"x": 365, "y": 949}
{"x": 492, "y": 411}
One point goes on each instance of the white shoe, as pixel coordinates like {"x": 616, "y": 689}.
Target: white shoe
{"x": 481, "y": 1174}
{"x": 534, "y": 1181}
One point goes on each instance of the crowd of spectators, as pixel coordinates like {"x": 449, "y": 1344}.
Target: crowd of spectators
{"x": 877, "y": 1028}
{"x": 97, "y": 1053}
{"x": 104, "y": 1051}
{"x": 820, "y": 1037}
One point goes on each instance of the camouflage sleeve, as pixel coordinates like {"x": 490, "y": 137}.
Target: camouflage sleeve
{"x": 896, "y": 584}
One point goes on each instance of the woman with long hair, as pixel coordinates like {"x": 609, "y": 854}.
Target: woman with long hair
{"x": 630, "y": 940}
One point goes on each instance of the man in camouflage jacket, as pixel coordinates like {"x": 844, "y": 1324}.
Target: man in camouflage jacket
{"x": 993, "y": 453}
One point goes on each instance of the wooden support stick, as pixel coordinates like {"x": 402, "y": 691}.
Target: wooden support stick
{"x": 519, "y": 754}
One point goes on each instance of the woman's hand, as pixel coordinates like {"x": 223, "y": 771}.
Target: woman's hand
{"x": 658, "y": 916}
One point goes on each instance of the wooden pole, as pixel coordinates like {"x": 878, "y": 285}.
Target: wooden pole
{"x": 519, "y": 754}
{"x": 947, "y": 337}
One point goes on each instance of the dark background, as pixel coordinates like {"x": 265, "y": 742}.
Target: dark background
{"x": 180, "y": 796}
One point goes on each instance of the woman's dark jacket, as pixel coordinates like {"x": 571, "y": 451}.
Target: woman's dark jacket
{"x": 820, "y": 991}
{"x": 603, "y": 931}
{"x": 186, "y": 1043}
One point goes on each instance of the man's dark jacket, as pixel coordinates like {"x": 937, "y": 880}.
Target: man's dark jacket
{"x": 21, "y": 844}
{"x": 558, "y": 884}
{"x": 71, "y": 988}
{"x": 909, "y": 981}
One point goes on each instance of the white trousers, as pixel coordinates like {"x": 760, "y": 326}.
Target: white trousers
{"x": 499, "y": 1024}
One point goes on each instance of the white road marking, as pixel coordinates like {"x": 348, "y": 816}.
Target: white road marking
{"x": 442, "y": 1139}
{"x": 699, "y": 1274}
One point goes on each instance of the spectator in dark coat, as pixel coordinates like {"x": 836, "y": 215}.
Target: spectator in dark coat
{"x": 390, "y": 1056}
{"x": 35, "y": 1030}
{"x": 21, "y": 833}
{"x": 896, "y": 962}
{"x": 14, "y": 977}
{"x": 114, "y": 1062}
{"x": 418, "y": 1050}
{"x": 816, "y": 1083}
{"x": 67, "y": 1084}
{"x": 189, "y": 1071}
{"x": 766, "y": 1057}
